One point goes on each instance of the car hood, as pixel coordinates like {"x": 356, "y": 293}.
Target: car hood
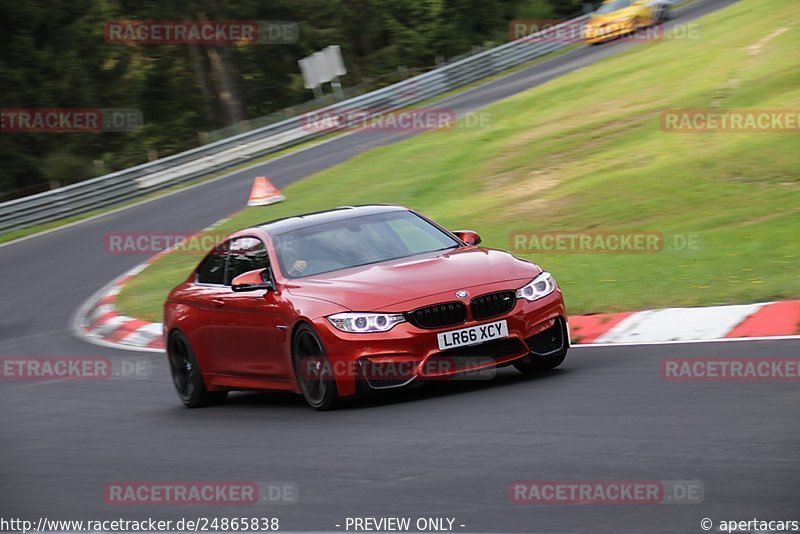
{"x": 419, "y": 278}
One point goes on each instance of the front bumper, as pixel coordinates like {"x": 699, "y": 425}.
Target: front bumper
{"x": 407, "y": 353}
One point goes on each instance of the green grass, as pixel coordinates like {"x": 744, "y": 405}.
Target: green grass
{"x": 586, "y": 152}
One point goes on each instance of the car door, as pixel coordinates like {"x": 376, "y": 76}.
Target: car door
{"x": 251, "y": 332}
{"x": 645, "y": 12}
{"x": 204, "y": 297}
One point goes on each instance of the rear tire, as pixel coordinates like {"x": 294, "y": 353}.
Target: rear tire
{"x": 533, "y": 364}
{"x": 313, "y": 370}
{"x": 186, "y": 374}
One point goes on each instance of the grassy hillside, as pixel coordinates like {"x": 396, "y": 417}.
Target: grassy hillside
{"x": 586, "y": 152}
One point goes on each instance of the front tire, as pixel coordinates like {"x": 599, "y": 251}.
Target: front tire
{"x": 186, "y": 375}
{"x": 532, "y": 364}
{"x": 313, "y": 370}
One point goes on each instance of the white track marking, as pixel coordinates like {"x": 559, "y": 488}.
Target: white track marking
{"x": 109, "y": 326}
{"x": 693, "y": 341}
{"x": 679, "y": 324}
{"x": 143, "y": 336}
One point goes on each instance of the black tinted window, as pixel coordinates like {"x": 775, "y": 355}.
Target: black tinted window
{"x": 346, "y": 243}
{"x": 245, "y": 254}
{"x": 610, "y": 7}
{"x": 212, "y": 270}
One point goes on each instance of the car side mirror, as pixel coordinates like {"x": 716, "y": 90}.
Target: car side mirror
{"x": 468, "y": 236}
{"x": 253, "y": 281}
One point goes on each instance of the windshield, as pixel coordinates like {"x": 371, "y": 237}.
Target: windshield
{"x": 610, "y": 7}
{"x": 357, "y": 241}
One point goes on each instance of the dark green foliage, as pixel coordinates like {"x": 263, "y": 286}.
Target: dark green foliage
{"x": 55, "y": 55}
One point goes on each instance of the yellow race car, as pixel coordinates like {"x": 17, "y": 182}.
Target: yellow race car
{"x": 618, "y": 18}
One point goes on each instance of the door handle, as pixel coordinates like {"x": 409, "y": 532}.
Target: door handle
{"x": 218, "y": 303}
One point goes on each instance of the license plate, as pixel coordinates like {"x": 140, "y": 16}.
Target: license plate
{"x": 472, "y": 335}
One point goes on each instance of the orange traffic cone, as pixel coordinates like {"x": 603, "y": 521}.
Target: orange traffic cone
{"x": 264, "y": 193}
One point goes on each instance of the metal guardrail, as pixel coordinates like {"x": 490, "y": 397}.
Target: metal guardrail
{"x": 141, "y": 180}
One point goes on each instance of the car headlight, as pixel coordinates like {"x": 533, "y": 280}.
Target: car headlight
{"x": 541, "y": 286}
{"x": 359, "y": 323}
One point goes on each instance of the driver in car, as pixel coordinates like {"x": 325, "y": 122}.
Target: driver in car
{"x": 298, "y": 267}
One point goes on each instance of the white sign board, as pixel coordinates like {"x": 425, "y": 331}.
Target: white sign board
{"x": 322, "y": 67}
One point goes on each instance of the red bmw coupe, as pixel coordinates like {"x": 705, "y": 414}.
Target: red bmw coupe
{"x": 356, "y": 298}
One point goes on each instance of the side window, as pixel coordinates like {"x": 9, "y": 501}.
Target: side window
{"x": 245, "y": 254}
{"x": 212, "y": 270}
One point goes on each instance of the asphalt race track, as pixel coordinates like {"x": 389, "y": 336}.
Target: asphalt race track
{"x": 445, "y": 451}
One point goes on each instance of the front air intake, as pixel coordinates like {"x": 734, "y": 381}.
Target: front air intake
{"x": 438, "y": 315}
